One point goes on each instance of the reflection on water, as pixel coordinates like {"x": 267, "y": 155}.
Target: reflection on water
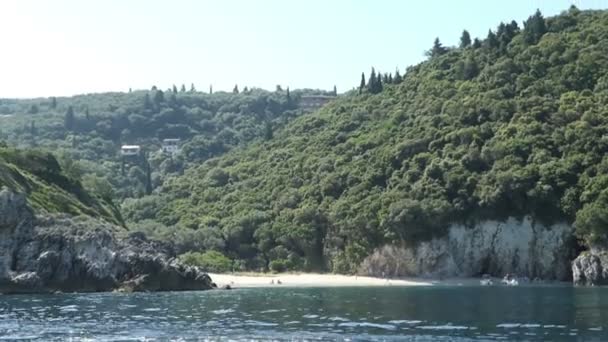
{"x": 381, "y": 313}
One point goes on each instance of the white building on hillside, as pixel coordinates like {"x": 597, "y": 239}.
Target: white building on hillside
{"x": 170, "y": 146}
{"x": 130, "y": 150}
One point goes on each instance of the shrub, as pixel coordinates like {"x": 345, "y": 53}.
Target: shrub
{"x": 210, "y": 261}
{"x": 279, "y": 265}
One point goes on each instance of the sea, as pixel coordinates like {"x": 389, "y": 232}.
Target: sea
{"x": 389, "y": 313}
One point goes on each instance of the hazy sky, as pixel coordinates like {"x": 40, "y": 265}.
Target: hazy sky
{"x": 65, "y": 47}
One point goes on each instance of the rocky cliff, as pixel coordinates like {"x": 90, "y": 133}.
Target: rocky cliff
{"x": 46, "y": 253}
{"x": 520, "y": 247}
{"x": 591, "y": 268}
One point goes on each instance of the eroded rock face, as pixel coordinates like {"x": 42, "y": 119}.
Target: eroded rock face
{"x": 54, "y": 253}
{"x": 591, "y": 268}
{"x": 519, "y": 247}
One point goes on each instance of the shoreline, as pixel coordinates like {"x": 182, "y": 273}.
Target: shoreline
{"x": 241, "y": 280}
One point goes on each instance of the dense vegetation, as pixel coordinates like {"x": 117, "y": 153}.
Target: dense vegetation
{"x": 38, "y": 175}
{"x": 89, "y": 129}
{"x": 511, "y": 125}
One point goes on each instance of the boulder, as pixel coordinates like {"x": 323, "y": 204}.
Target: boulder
{"x": 591, "y": 268}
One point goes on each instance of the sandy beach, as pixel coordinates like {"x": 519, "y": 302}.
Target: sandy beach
{"x": 307, "y": 280}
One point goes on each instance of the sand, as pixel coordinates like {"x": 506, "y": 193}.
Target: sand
{"x": 307, "y": 280}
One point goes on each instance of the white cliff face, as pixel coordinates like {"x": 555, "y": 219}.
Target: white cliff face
{"x": 520, "y": 247}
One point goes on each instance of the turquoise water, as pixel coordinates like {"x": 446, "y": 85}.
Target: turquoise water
{"x": 381, "y": 313}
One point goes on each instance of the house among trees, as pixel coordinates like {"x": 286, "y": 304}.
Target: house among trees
{"x": 170, "y": 146}
{"x": 130, "y": 150}
{"x": 314, "y": 102}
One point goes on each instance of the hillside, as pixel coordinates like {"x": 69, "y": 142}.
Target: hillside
{"x": 512, "y": 125}
{"x": 37, "y": 174}
{"x": 90, "y": 130}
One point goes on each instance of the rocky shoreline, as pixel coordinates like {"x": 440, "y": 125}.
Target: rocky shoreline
{"x": 59, "y": 253}
{"x": 51, "y": 253}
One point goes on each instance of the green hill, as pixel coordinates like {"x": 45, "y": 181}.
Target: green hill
{"x": 48, "y": 189}
{"x": 90, "y": 129}
{"x": 511, "y": 125}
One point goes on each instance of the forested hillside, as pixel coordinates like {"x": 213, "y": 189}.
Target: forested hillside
{"x": 87, "y": 131}
{"x": 512, "y": 124}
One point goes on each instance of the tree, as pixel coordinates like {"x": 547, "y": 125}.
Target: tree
{"x": 147, "y": 101}
{"x": 33, "y": 109}
{"x": 362, "y": 84}
{"x": 210, "y": 89}
{"x": 192, "y": 88}
{"x": 235, "y": 90}
{"x": 470, "y": 69}
{"x": 465, "y": 40}
{"x": 534, "y": 28}
{"x": 397, "y": 79}
{"x": 174, "y": 89}
{"x": 335, "y": 91}
{"x": 183, "y": 88}
{"x": 69, "y": 119}
{"x": 268, "y": 131}
{"x": 159, "y": 97}
{"x": 53, "y": 102}
{"x": 279, "y": 88}
{"x": 374, "y": 85}
{"x": 437, "y": 49}
{"x": 288, "y": 95}
{"x": 33, "y": 130}
{"x": 476, "y": 43}
{"x": 371, "y": 83}
{"x": 491, "y": 41}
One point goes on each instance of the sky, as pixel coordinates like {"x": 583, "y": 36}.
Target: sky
{"x": 67, "y": 47}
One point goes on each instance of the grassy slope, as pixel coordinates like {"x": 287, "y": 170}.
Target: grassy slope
{"x": 38, "y": 175}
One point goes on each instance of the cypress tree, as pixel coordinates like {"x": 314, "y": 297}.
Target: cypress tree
{"x": 192, "y": 88}
{"x": 183, "y": 89}
{"x": 398, "y": 79}
{"x": 534, "y": 28}
{"x": 476, "y": 43}
{"x": 159, "y": 97}
{"x": 174, "y": 89}
{"x": 210, "y": 89}
{"x": 147, "y": 102}
{"x": 491, "y": 41}
{"x": 235, "y": 90}
{"x": 362, "y": 84}
{"x": 465, "y": 40}
{"x": 371, "y": 83}
{"x": 378, "y": 87}
{"x": 437, "y": 50}
{"x": 69, "y": 119}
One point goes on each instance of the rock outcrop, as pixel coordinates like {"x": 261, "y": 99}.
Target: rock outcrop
{"x": 591, "y": 268}
{"x": 519, "y": 247}
{"x": 48, "y": 253}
